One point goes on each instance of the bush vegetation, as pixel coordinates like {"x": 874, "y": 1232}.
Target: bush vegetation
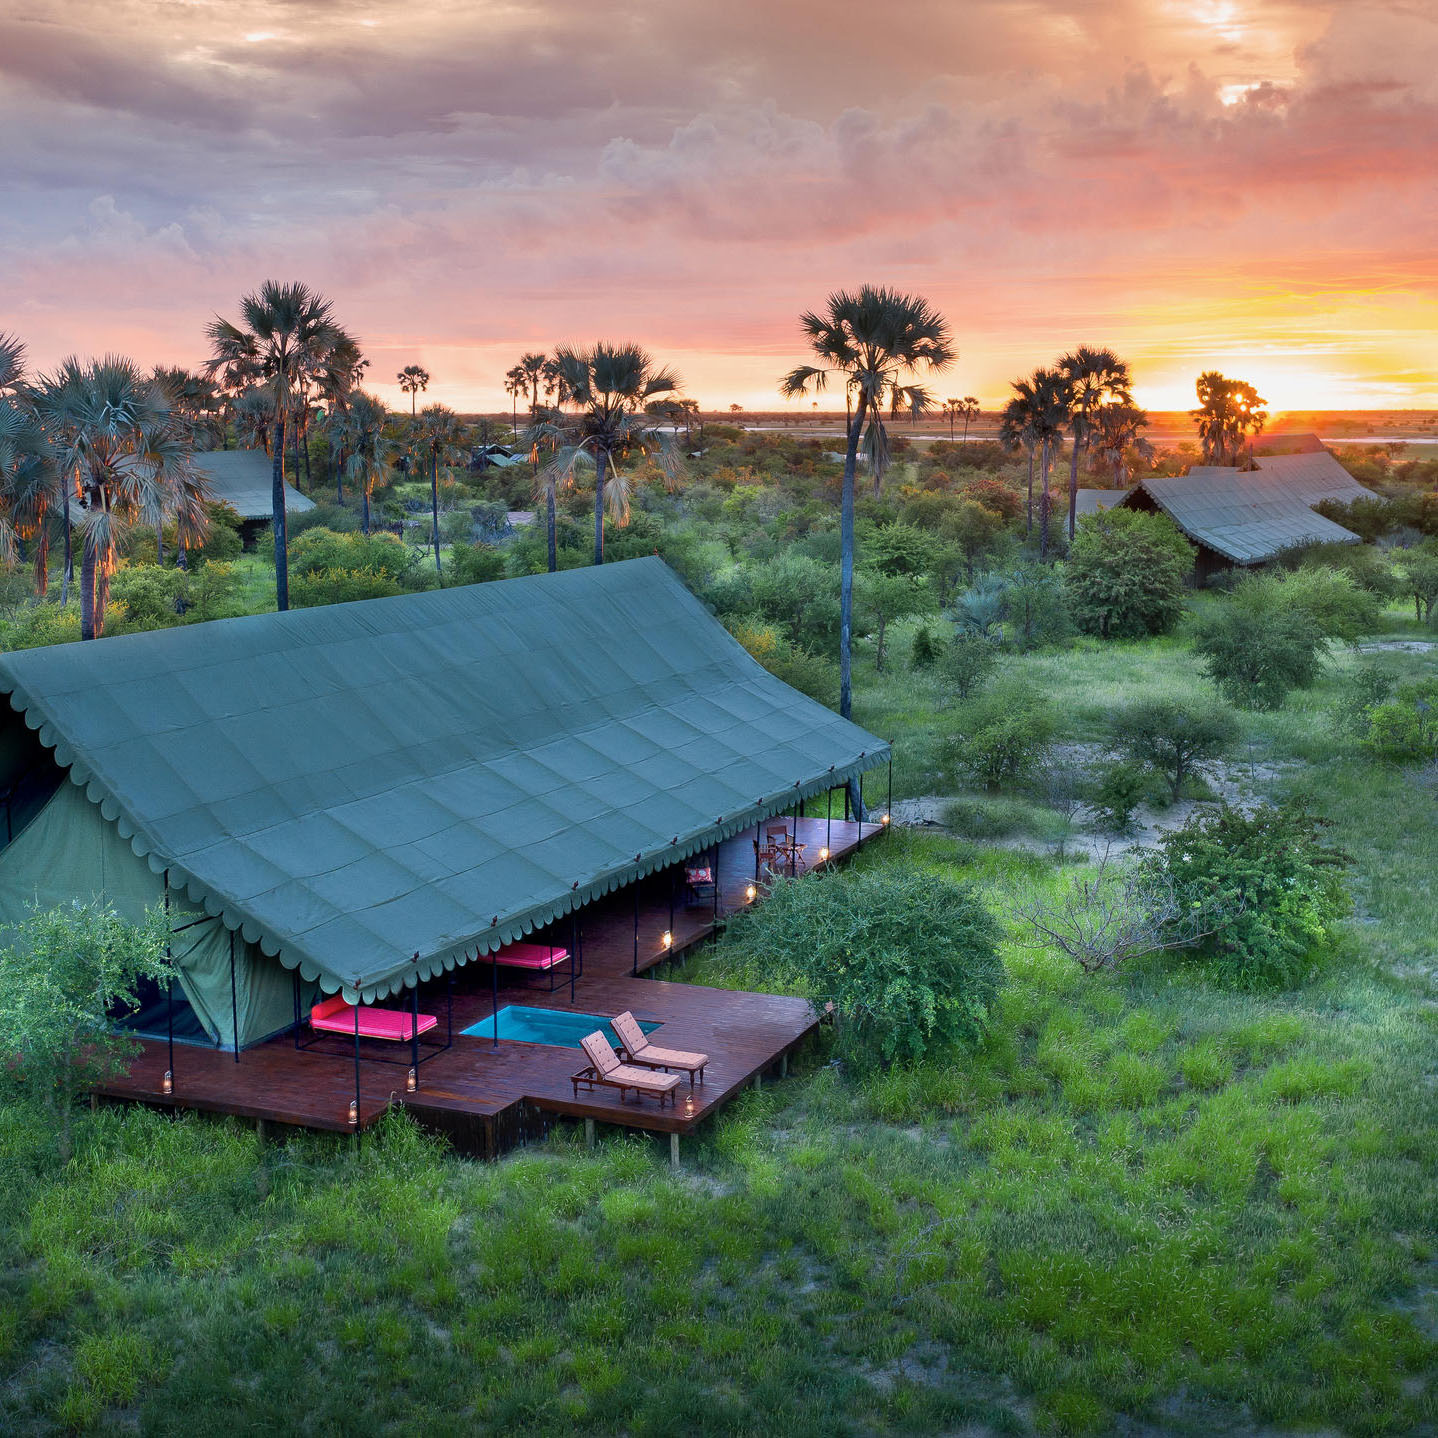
{"x": 1126, "y": 574}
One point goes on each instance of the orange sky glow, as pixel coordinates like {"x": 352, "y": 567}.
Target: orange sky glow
{"x": 1244, "y": 185}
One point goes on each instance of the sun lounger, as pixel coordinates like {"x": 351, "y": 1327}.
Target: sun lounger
{"x": 636, "y": 1049}
{"x": 604, "y": 1070}
{"x": 530, "y": 956}
{"x": 335, "y": 1016}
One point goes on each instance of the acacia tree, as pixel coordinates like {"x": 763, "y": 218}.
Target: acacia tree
{"x": 1096, "y": 377}
{"x": 287, "y": 335}
{"x": 1229, "y": 410}
{"x": 878, "y": 341}
{"x": 609, "y": 385}
{"x": 413, "y": 379}
{"x": 437, "y": 440}
{"x": 129, "y": 457}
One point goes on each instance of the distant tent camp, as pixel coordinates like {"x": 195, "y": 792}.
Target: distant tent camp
{"x": 243, "y": 479}
{"x": 1245, "y": 517}
{"x": 371, "y": 794}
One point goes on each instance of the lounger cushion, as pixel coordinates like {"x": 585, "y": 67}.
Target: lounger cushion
{"x": 604, "y": 1059}
{"x": 642, "y": 1078}
{"x": 373, "y": 1023}
{"x": 530, "y": 956}
{"x": 671, "y": 1058}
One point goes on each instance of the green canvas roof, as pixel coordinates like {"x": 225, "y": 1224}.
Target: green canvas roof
{"x": 244, "y": 479}
{"x": 434, "y": 774}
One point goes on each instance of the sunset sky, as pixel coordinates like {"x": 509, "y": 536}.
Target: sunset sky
{"x": 1240, "y": 184}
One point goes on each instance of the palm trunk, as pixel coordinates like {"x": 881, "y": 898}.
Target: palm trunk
{"x": 1073, "y": 483}
{"x": 87, "y": 591}
{"x": 67, "y": 576}
{"x": 160, "y": 544}
{"x": 1045, "y": 506}
{"x": 601, "y": 465}
{"x": 309, "y": 479}
{"x": 42, "y": 557}
{"x": 364, "y": 509}
{"x": 549, "y": 524}
{"x": 846, "y": 589}
{"x": 104, "y": 567}
{"x": 277, "y": 517}
{"x": 434, "y": 512}
{"x": 1029, "y": 512}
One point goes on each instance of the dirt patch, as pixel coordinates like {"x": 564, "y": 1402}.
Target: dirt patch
{"x": 1398, "y": 646}
{"x": 1244, "y": 786}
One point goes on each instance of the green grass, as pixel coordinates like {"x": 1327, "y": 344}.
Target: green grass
{"x": 1146, "y": 1200}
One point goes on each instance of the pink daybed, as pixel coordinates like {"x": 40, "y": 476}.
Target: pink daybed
{"x": 530, "y": 956}
{"x": 335, "y": 1016}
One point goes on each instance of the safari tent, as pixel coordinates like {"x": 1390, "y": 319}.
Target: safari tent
{"x": 358, "y": 798}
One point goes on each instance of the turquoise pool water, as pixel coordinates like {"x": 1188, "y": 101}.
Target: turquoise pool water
{"x": 547, "y": 1026}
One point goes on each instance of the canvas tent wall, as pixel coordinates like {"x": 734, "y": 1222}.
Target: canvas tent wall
{"x": 377, "y": 792}
{"x": 70, "y": 852}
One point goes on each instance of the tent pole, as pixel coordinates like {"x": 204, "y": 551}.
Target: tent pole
{"x": 889, "y": 795}
{"x": 573, "y": 950}
{"x": 234, "y": 1000}
{"x": 357, "y": 1062}
{"x": 671, "y": 905}
{"x": 414, "y": 1031}
{"x": 169, "y": 987}
{"x": 716, "y": 883}
{"x": 859, "y": 811}
{"x": 296, "y": 973}
{"x": 494, "y": 999}
{"x": 794, "y": 845}
{"x": 635, "y": 970}
{"x": 829, "y": 822}
{"x": 449, "y": 1013}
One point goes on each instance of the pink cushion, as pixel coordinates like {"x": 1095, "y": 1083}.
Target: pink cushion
{"x": 530, "y": 956}
{"x": 331, "y": 1005}
{"x": 373, "y": 1023}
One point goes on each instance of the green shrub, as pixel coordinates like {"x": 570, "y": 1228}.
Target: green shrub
{"x": 909, "y": 961}
{"x": 1126, "y": 573}
{"x": 1419, "y": 571}
{"x": 1278, "y": 884}
{"x": 925, "y": 651}
{"x": 474, "y": 564}
{"x": 339, "y": 586}
{"x": 337, "y": 518}
{"x": 1117, "y": 789}
{"x": 808, "y": 673}
{"x": 379, "y": 555}
{"x": 1177, "y": 738}
{"x": 968, "y": 662}
{"x": 1002, "y": 738}
{"x": 1405, "y": 729}
{"x": 996, "y": 818}
{"x": 1256, "y": 657}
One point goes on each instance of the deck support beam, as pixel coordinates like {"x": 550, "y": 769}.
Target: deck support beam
{"x": 673, "y": 1150}
{"x": 589, "y": 1133}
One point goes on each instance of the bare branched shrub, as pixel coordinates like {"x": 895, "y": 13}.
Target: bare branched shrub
{"x": 1123, "y": 911}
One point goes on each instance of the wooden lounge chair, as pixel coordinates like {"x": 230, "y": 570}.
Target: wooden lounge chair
{"x": 636, "y": 1049}
{"x": 605, "y": 1070}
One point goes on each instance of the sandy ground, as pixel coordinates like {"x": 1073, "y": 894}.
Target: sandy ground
{"x": 1242, "y": 785}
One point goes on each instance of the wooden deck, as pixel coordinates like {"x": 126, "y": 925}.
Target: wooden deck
{"x": 485, "y": 1097}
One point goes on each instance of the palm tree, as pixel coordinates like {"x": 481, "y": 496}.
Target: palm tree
{"x": 544, "y": 433}
{"x": 130, "y": 456}
{"x": 358, "y": 432}
{"x": 1116, "y": 429}
{"x": 1096, "y": 377}
{"x": 971, "y": 411}
{"x": 1228, "y": 410}
{"x": 440, "y": 432}
{"x": 413, "y": 379}
{"x": 515, "y": 384}
{"x": 952, "y": 409}
{"x": 197, "y": 399}
{"x": 288, "y": 335}
{"x": 609, "y": 385}
{"x": 876, "y": 339}
{"x": 1035, "y": 418}
{"x": 29, "y": 483}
